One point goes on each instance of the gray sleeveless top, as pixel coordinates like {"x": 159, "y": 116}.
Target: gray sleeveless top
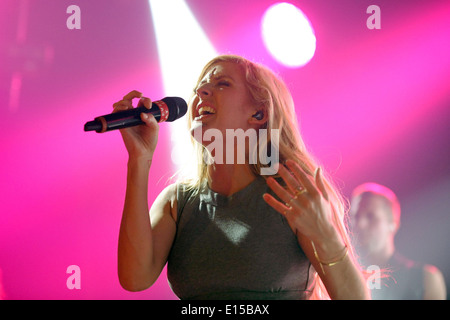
{"x": 235, "y": 247}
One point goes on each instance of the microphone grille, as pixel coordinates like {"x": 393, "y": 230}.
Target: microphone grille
{"x": 177, "y": 107}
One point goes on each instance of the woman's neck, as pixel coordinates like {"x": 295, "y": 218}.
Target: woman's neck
{"x": 228, "y": 179}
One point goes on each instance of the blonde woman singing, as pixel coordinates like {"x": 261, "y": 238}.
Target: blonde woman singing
{"x": 231, "y": 232}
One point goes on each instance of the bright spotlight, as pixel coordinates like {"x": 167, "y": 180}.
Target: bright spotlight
{"x": 183, "y": 50}
{"x": 288, "y": 35}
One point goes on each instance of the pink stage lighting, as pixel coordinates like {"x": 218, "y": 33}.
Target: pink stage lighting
{"x": 288, "y": 35}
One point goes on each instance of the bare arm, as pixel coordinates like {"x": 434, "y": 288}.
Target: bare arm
{"x": 343, "y": 280}
{"x": 434, "y": 284}
{"x": 144, "y": 242}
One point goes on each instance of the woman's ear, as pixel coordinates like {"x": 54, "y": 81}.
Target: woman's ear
{"x": 259, "y": 117}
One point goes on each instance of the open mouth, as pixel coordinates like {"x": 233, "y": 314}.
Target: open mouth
{"x": 205, "y": 112}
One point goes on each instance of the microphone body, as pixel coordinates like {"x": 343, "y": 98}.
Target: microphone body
{"x": 168, "y": 109}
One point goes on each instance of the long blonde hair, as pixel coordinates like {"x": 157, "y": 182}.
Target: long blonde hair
{"x": 270, "y": 94}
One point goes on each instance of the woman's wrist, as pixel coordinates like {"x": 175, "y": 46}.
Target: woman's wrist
{"x": 138, "y": 172}
{"x": 329, "y": 255}
{"x": 139, "y": 162}
{"x": 330, "y": 248}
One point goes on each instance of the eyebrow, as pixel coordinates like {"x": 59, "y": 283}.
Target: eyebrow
{"x": 216, "y": 78}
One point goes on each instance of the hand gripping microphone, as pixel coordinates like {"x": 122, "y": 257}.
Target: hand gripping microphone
{"x": 168, "y": 109}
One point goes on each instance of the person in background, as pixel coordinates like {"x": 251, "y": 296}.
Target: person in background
{"x": 375, "y": 215}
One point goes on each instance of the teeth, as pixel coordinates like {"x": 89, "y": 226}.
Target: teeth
{"x": 206, "y": 109}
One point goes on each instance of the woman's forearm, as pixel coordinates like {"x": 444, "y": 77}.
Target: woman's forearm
{"x": 340, "y": 274}
{"x": 135, "y": 236}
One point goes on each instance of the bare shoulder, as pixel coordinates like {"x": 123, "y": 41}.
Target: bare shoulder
{"x": 434, "y": 284}
{"x": 169, "y": 193}
{"x": 165, "y": 203}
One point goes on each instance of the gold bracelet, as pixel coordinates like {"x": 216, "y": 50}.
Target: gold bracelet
{"x": 328, "y": 264}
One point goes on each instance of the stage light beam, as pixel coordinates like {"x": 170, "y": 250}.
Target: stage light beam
{"x": 183, "y": 50}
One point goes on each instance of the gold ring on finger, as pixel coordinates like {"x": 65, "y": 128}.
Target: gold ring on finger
{"x": 292, "y": 199}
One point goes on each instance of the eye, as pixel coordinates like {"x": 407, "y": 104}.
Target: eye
{"x": 223, "y": 83}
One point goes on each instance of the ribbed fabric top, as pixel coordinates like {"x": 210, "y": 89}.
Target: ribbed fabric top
{"x": 235, "y": 247}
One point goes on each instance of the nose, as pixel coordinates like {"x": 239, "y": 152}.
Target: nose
{"x": 204, "y": 91}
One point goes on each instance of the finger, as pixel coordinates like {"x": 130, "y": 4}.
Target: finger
{"x": 132, "y": 94}
{"x": 127, "y": 103}
{"x": 293, "y": 184}
{"x": 281, "y": 192}
{"x": 302, "y": 177}
{"x": 118, "y": 108}
{"x": 146, "y": 102}
{"x": 320, "y": 183}
{"x": 274, "y": 203}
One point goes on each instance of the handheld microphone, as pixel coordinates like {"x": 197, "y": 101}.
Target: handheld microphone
{"x": 168, "y": 109}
